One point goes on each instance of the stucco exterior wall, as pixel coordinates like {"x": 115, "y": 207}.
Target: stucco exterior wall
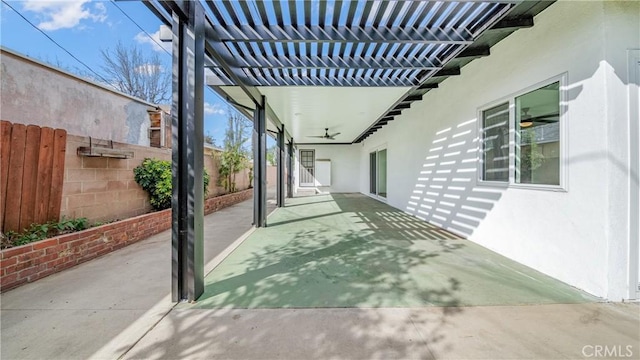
{"x": 35, "y": 93}
{"x": 579, "y": 235}
{"x": 345, "y": 175}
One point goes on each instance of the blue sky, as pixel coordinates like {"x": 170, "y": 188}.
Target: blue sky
{"x": 84, "y": 28}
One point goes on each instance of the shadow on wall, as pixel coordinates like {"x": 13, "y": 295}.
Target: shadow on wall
{"x": 445, "y": 193}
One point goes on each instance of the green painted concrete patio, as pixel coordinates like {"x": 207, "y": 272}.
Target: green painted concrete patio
{"x": 348, "y": 250}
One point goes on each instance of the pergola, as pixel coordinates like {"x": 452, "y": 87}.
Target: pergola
{"x": 355, "y": 65}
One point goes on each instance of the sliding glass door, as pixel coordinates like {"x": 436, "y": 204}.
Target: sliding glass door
{"x": 378, "y": 173}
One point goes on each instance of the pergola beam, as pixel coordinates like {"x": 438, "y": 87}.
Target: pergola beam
{"x": 474, "y": 52}
{"x": 412, "y": 98}
{"x": 332, "y": 34}
{"x": 428, "y": 86}
{"x": 514, "y": 23}
{"x": 331, "y": 62}
{"x": 328, "y": 81}
{"x": 452, "y": 71}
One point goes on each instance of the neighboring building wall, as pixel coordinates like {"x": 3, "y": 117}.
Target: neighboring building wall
{"x": 36, "y": 93}
{"x": 580, "y": 235}
{"x": 345, "y": 175}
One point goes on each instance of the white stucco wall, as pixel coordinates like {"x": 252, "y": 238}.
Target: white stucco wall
{"x": 621, "y": 32}
{"x": 577, "y": 235}
{"x": 38, "y": 94}
{"x": 345, "y": 173}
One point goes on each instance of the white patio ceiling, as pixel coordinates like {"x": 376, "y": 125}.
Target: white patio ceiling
{"x": 307, "y": 111}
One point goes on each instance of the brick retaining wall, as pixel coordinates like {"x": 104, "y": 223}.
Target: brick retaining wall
{"x": 27, "y": 263}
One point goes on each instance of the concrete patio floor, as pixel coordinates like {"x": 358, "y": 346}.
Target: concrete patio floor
{"x": 310, "y": 296}
{"x": 348, "y": 250}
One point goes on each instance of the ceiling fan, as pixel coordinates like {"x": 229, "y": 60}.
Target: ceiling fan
{"x": 326, "y": 135}
{"x": 527, "y": 120}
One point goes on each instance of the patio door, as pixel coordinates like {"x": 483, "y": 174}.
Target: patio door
{"x": 378, "y": 173}
{"x": 307, "y": 167}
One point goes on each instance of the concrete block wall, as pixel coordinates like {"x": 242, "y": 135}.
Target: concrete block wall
{"x": 104, "y": 189}
{"x": 212, "y": 163}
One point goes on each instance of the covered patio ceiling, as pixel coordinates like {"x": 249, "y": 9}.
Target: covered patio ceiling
{"x": 350, "y": 66}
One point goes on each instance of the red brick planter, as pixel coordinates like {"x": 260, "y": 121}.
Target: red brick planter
{"x": 30, "y": 262}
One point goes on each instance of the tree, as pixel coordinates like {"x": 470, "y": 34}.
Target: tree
{"x": 237, "y": 134}
{"x": 131, "y": 72}
{"x": 234, "y": 158}
{"x": 272, "y": 153}
{"x": 209, "y": 139}
{"x": 231, "y": 162}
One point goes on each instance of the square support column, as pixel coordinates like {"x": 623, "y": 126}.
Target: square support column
{"x": 281, "y": 167}
{"x": 290, "y": 169}
{"x": 187, "y": 256}
{"x": 260, "y": 165}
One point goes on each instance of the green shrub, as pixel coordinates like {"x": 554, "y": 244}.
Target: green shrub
{"x": 154, "y": 176}
{"x": 37, "y": 232}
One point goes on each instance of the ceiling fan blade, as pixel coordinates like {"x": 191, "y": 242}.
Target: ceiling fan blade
{"x": 333, "y": 135}
{"x": 319, "y": 137}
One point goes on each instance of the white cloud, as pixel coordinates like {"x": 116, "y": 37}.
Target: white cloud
{"x": 213, "y": 109}
{"x": 65, "y": 14}
{"x": 143, "y": 38}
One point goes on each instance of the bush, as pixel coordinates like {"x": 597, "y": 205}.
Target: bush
{"x": 37, "y": 232}
{"x": 154, "y": 176}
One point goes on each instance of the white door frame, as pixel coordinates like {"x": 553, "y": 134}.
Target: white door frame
{"x": 302, "y": 168}
{"x": 376, "y": 150}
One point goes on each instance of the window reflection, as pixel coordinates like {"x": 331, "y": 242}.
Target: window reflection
{"x": 538, "y": 136}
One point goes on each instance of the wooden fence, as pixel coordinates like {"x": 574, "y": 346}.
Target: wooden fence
{"x": 31, "y": 175}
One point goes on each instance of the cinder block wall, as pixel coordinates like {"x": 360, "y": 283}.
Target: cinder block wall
{"x": 103, "y": 189}
{"x": 211, "y": 163}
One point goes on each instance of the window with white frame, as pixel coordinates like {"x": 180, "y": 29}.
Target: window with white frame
{"x": 523, "y": 147}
